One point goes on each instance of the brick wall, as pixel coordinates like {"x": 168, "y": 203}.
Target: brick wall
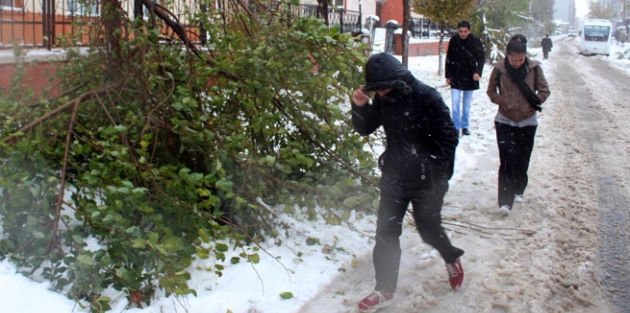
{"x": 41, "y": 70}
{"x": 37, "y": 76}
{"x": 422, "y": 48}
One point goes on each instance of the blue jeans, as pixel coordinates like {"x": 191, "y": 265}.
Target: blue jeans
{"x": 461, "y": 118}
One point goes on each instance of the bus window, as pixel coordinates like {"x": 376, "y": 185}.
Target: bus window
{"x": 596, "y": 33}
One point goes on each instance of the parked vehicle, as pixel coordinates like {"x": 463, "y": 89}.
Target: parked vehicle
{"x": 596, "y": 37}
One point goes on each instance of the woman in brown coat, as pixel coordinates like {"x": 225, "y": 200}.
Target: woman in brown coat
{"x": 519, "y": 87}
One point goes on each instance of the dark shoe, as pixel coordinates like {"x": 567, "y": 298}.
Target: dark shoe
{"x": 465, "y": 132}
{"x": 455, "y": 274}
{"x": 375, "y": 301}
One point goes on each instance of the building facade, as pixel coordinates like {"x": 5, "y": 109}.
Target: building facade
{"x": 564, "y": 10}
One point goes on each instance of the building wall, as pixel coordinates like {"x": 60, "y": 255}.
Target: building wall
{"x": 420, "y": 49}
{"x": 565, "y": 10}
{"x": 38, "y": 76}
{"x": 561, "y": 10}
{"x": 392, "y": 10}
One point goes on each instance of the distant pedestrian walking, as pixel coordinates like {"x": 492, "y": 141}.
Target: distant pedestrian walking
{"x": 465, "y": 59}
{"x": 546, "y": 46}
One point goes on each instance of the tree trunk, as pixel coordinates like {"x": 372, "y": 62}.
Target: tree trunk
{"x": 323, "y": 10}
{"x": 405, "y": 32}
{"x": 111, "y": 15}
{"x": 441, "y": 52}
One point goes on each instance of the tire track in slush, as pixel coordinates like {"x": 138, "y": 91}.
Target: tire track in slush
{"x": 612, "y": 197}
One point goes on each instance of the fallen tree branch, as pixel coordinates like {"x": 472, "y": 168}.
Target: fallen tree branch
{"x": 62, "y": 109}
{"x": 62, "y": 187}
{"x": 165, "y": 15}
{"x": 475, "y": 227}
{"x": 525, "y": 231}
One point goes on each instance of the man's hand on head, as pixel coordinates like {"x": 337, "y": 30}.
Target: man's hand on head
{"x": 360, "y": 97}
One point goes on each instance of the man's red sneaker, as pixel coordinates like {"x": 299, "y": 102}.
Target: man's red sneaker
{"x": 375, "y": 301}
{"x": 455, "y": 274}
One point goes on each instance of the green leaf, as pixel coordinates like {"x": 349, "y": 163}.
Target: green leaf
{"x": 203, "y": 254}
{"x": 173, "y": 244}
{"x": 202, "y": 192}
{"x": 77, "y": 238}
{"x": 153, "y": 237}
{"x": 131, "y": 229}
{"x": 310, "y": 241}
{"x": 138, "y": 243}
{"x": 286, "y": 295}
{"x": 119, "y": 129}
{"x": 85, "y": 260}
{"x": 161, "y": 250}
{"x": 39, "y": 235}
{"x": 221, "y": 247}
{"x": 254, "y": 258}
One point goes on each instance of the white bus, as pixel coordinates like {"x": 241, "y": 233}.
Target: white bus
{"x": 596, "y": 37}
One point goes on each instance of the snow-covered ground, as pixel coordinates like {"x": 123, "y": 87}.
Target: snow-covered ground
{"x": 512, "y": 264}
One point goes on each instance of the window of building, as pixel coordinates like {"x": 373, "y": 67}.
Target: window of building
{"x": 84, "y": 7}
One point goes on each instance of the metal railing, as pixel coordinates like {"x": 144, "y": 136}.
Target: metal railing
{"x": 348, "y": 21}
{"x": 422, "y": 27}
{"x": 45, "y": 23}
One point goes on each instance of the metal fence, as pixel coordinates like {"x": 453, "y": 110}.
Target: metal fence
{"x": 45, "y": 23}
{"x": 423, "y": 28}
{"x": 347, "y": 20}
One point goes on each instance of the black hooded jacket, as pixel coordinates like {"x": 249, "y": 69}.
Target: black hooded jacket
{"x": 464, "y": 58}
{"x": 421, "y": 137}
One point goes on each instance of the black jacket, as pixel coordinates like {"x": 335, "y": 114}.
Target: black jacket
{"x": 546, "y": 44}
{"x": 464, "y": 58}
{"x": 421, "y": 137}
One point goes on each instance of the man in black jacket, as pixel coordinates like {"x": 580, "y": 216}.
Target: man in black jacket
{"x": 465, "y": 59}
{"x": 416, "y": 166}
{"x": 546, "y": 44}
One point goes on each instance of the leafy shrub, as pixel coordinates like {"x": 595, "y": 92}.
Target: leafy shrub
{"x": 155, "y": 151}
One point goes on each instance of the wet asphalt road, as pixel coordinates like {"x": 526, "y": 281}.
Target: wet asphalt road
{"x": 600, "y": 94}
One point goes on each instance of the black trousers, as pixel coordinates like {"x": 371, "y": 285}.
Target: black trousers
{"x": 427, "y": 206}
{"x": 515, "y": 150}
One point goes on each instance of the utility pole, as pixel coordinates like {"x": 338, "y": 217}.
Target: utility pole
{"x": 625, "y": 19}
